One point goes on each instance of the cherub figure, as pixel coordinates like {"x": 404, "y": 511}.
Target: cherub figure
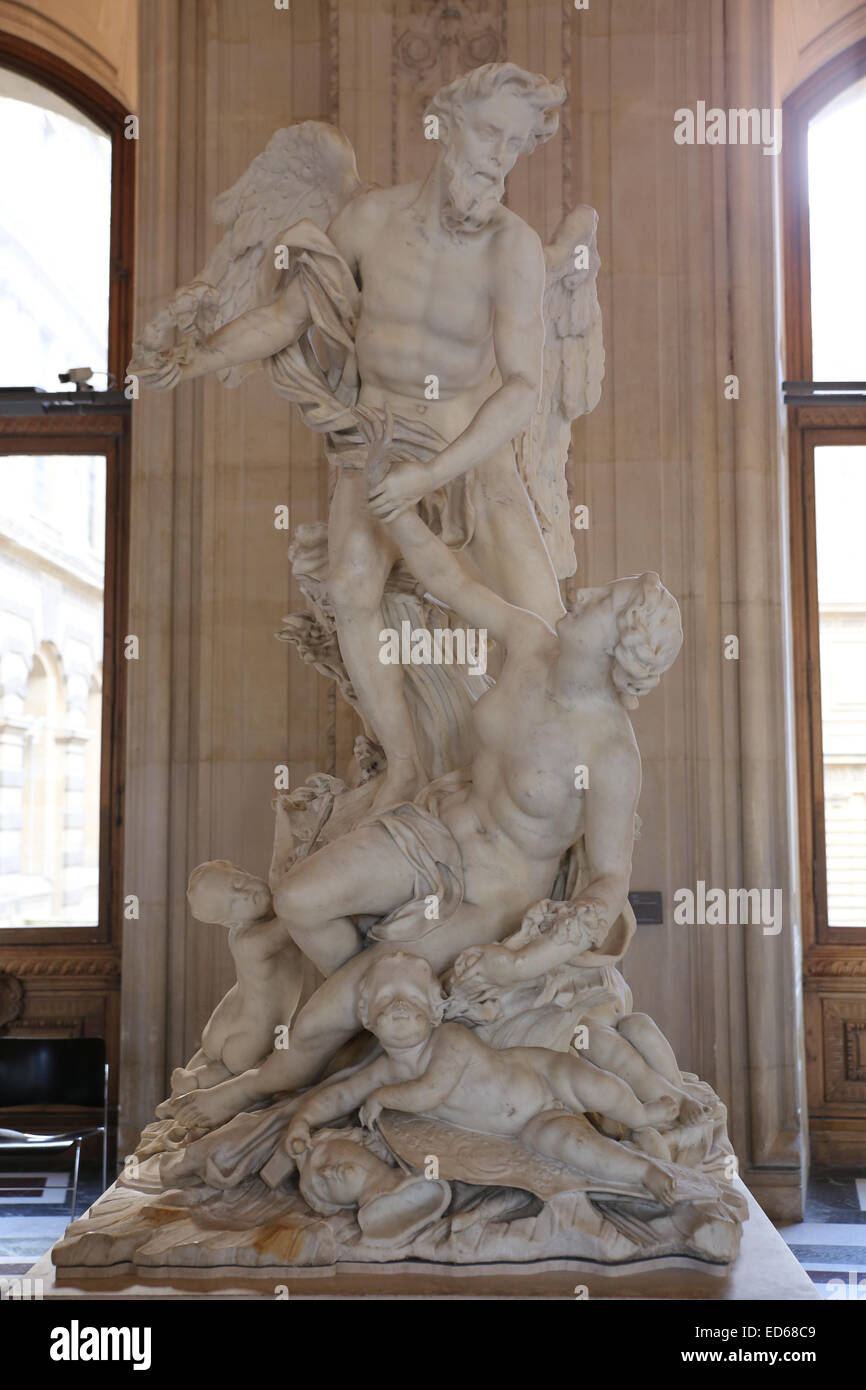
{"x": 271, "y": 976}
{"x": 442, "y": 1069}
{"x": 554, "y": 935}
{"x": 352, "y": 1169}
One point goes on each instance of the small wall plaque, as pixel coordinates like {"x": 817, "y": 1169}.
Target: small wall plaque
{"x": 646, "y": 906}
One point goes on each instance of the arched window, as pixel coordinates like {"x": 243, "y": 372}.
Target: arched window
{"x": 55, "y": 253}
{"x": 824, "y": 125}
{"x": 66, "y": 173}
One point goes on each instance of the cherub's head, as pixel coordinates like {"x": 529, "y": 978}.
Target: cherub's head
{"x": 487, "y": 119}
{"x": 634, "y": 622}
{"x": 400, "y": 1000}
{"x": 342, "y": 1168}
{"x": 221, "y": 893}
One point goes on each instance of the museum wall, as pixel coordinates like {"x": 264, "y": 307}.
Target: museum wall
{"x": 99, "y": 37}
{"x": 677, "y": 477}
{"x": 808, "y": 33}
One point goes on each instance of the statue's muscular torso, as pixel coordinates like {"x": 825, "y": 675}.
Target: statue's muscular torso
{"x": 428, "y": 301}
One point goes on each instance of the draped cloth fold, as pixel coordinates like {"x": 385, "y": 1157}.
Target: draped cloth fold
{"x": 434, "y": 856}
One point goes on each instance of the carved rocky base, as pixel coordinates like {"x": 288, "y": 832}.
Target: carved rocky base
{"x": 142, "y": 1230}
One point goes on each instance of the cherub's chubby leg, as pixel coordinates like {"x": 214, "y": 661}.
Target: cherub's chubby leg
{"x": 609, "y": 1048}
{"x": 581, "y": 1085}
{"x": 362, "y": 872}
{"x": 505, "y": 527}
{"x": 324, "y": 1024}
{"x": 571, "y": 1139}
{"x": 639, "y": 1051}
{"x": 651, "y": 1043}
{"x": 616, "y": 1051}
{"x": 361, "y": 555}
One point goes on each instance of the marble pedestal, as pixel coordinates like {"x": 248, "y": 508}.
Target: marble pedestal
{"x": 765, "y": 1271}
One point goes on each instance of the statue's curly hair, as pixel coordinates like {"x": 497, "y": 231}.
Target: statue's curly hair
{"x": 413, "y": 965}
{"x": 201, "y": 871}
{"x": 482, "y": 82}
{"x": 650, "y": 635}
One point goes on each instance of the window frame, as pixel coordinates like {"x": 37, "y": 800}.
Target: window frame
{"x": 811, "y": 431}
{"x": 108, "y": 113}
{"x": 837, "y": 417}
{"x": 97, "y": 432}
{"x": 797, "y": 111}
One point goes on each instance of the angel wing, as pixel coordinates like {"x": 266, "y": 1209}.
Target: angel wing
{"x": 306, "y": 171}
{"x": 573, "y": 371}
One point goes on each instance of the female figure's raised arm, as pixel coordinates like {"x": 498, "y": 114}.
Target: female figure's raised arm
{"x": 430, "y": 560}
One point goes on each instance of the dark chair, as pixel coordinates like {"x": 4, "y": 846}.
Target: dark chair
{"x": 63, "y": 1072}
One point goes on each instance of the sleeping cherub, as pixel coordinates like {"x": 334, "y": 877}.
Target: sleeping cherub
{"x": 444, "y": 1070}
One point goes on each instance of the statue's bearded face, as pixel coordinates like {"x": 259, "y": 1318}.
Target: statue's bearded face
{"x": 483, "y": 145}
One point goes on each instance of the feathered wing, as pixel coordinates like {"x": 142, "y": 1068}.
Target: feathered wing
{"x": 573, "y": 371}
{"x": 306, "y": 171}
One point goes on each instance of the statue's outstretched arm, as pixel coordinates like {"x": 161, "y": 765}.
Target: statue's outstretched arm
{"x": 611, "y": 804}
{"x": 444, "y": 577}
{"x": 334, "y": 1099}
{"x": 251, "y": 337}
{"x": 257, "y": 334}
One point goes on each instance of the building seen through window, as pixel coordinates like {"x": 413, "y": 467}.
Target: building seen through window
{"x": 837, "y": 236}
{"x": 55, "y": 218}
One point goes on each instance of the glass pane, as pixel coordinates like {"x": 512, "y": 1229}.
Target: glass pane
{"x": 840, "y": 500}
{"x": 55, "y": 217}
{"x": 837, "y": 233}
{"x": 52, "y": 562}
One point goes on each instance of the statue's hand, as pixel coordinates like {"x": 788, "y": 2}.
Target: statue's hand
{"x": 159, "y": 370}
{"x": 480, "y": 965}
{"x": 371, "y": 1110}
{"x": 404, "y": 486}
{"x": 394, "y": 481}
{"x": 298, "y": 1136}
{"x": 580, "y": 925}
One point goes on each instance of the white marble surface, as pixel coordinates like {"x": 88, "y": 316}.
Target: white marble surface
{"x": 765, "y": 1271}
{"x": 453, "y": 351}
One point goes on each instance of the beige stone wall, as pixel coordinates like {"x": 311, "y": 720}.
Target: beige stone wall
{"x": 677, "y": 479}
{"x": 808, "y": 33}
{"x": 99, "y": 37}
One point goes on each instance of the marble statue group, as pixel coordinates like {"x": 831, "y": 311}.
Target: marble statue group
{"x": 430, "y": 1052}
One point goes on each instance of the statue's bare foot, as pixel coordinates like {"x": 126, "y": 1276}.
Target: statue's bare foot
{"x": 691, "y": 1111}
{"x": 403, "y": 781}
{"x": 663, "y": 1111}
{"x": 652, "y": 1143}
{"x": 212, "y": 1107}
{"x": 183, "y": 1080}
{"x": 660, "y": 1184}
